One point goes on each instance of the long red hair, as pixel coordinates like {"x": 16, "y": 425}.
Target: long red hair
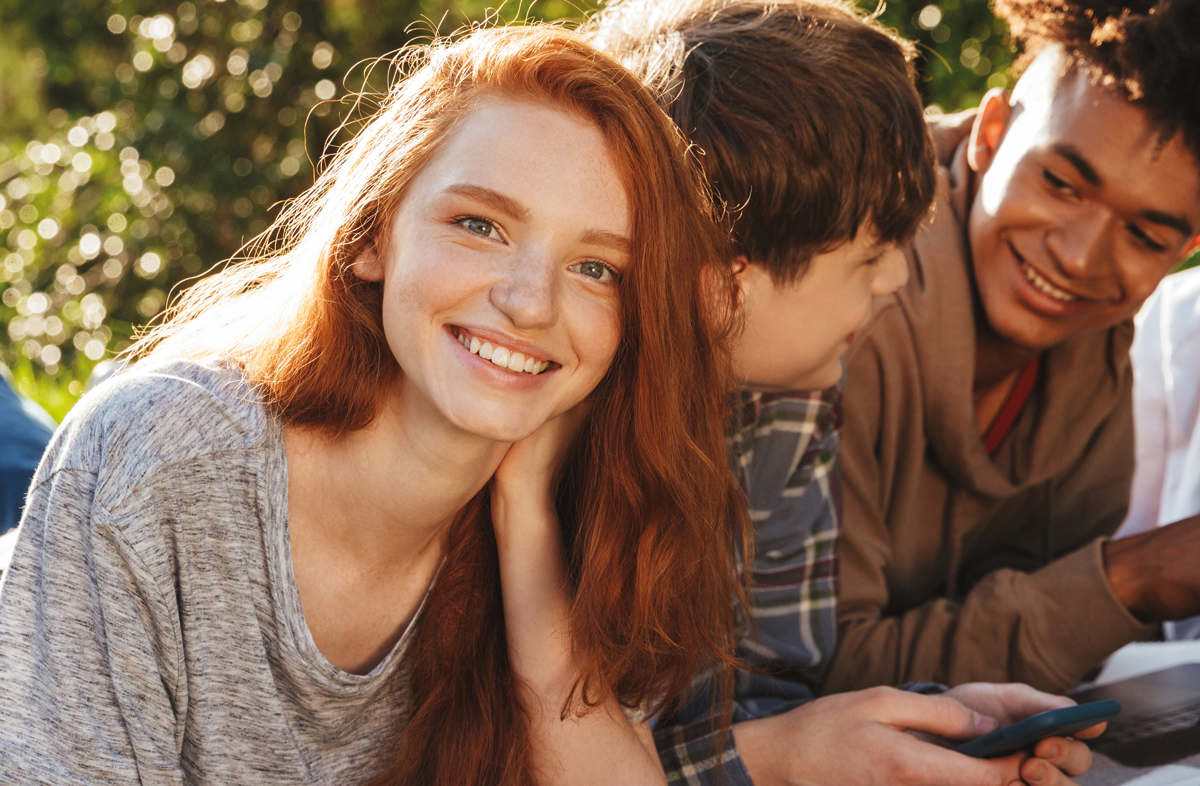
{"x": 651, "y": 516}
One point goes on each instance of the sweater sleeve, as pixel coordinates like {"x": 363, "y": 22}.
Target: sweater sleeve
{"x": 89, "y": 647}
{"x": 1046, "y": 627}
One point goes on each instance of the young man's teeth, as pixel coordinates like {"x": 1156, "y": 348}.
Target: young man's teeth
{"x": 1044, "y": 286}
{"x": 502, "y": 356}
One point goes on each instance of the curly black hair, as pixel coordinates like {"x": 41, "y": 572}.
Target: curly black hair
{"x": 1148, "y": 49}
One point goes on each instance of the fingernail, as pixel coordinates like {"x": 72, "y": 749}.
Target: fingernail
{"x": 985, "y": 723}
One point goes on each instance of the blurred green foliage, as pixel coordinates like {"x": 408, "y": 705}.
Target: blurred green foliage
{"x": 141, "y": 141}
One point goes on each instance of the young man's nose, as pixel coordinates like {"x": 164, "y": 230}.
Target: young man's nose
{"x": 1081, "y": 244}
{"x": 526, "y": 293}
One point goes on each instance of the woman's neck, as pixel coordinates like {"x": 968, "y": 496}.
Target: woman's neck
{"x": 386, "y": 494}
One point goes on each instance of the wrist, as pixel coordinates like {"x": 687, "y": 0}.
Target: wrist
{"x": 1121, "y": 567}
{"x": 758, "y": 744}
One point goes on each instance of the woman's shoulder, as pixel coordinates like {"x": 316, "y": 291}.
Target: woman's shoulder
{"x": 150, "y": 416}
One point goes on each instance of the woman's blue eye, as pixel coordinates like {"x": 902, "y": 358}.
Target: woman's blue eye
{"x": 594, "y": 268}
{"x": 477, "y": 226}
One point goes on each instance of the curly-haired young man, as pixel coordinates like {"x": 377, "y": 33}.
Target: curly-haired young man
{"x": 988, "y": 447}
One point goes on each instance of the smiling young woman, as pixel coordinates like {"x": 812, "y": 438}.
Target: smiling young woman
{"x": 428, "y": 491}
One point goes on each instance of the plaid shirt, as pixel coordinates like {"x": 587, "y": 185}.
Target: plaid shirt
{"x": 783, "y": 447}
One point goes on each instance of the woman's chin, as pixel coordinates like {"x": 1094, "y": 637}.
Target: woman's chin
{"x": 495, "y": 426}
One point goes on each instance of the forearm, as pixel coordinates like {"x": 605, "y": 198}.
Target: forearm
{"x": 1153, "y": 574}
{"x": 1045, "y": 628}
{"x": 600, "y": 746}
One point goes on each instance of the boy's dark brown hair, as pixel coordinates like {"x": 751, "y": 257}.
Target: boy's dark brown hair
{"x": 1148, "y": 49}
{"x": 804, "y": 112}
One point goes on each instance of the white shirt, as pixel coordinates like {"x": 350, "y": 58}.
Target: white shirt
{"x": 1166, "y": 408}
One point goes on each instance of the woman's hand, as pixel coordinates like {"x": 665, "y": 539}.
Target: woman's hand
{"x": 600, "y": 746}
{"x": 526, "y": 478}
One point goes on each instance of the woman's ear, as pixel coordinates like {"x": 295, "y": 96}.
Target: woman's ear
{"x": 367, "y": 265}
{"x": 988, "y": 131}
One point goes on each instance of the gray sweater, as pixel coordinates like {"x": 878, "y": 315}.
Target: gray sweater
{"x": 150, "y": 626}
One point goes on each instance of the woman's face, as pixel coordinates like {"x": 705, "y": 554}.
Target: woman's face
{"x": 501, "y": 274}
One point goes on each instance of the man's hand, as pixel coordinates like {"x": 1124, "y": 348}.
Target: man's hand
{"x": 1010, "y": 703}
{"x": 864, "y": 739}
{"x": 1156, "y": 574}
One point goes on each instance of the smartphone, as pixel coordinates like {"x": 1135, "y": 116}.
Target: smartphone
{"x": 1024, "y": 734}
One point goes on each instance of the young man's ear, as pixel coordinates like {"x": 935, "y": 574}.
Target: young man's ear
{"x": 988, "y": 131}
{"x": 367, "y": 265}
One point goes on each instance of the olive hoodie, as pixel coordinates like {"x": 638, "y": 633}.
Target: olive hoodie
{"x": 957, "y": 565}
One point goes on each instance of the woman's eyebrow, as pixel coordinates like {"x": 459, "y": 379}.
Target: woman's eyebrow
{"x": 602, "y": 237}
{"x": 493, "y": 199}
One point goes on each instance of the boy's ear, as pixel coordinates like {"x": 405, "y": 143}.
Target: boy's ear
{"x": 367, "y": 265}
{"x": 739, "y": 265}
{"x": 988, "y": 131}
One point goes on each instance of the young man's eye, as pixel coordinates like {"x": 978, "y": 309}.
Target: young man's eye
{"x": 478, "y": 226}
{"x": 1141, "y": 237}
{"x": 1057, "y": 183}
{"x": 594, "y": 268}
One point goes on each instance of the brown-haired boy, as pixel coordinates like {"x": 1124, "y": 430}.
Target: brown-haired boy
{"x": 807, "y": 124}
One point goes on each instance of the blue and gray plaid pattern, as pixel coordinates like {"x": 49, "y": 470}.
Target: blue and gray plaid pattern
{"x": 783, "y": 447}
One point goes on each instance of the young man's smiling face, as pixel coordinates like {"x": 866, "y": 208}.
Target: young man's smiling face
{"x": 1079, "y": 210}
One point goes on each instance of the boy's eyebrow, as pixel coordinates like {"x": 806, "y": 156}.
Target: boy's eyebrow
{"x": 494, "y": 199}
{"x": 874, "y": 251}
{"x": 1088, "y": 173}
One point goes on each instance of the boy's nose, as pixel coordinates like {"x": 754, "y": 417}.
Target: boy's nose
{"x": 891, "y": 273}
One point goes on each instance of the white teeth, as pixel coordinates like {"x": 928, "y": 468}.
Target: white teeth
{"x": 502, "y": 356}
{"x": 1044, "y": 286}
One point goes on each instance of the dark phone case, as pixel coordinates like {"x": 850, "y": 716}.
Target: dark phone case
{"x": 1052, "y": 723}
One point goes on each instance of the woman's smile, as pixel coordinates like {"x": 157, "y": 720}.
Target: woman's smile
{"x": 502, "y": 352}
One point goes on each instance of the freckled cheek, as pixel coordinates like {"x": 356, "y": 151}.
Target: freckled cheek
{"x": 595, "y": 329}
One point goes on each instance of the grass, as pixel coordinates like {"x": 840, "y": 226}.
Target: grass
{"x": 55, "y": 394}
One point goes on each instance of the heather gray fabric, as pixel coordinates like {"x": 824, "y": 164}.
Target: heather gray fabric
{"x": 150, "y": 627}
